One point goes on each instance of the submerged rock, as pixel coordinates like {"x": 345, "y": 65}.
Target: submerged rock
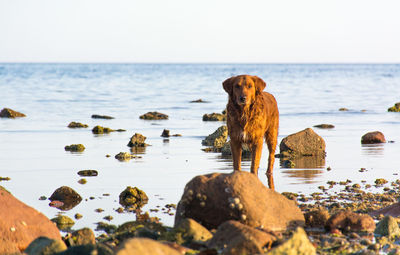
{"x": 216, "y": 139}
{"x": 137, "y": 140}
{"x": 96, "y": 116}
{"x": 395, "y": 108}
{"x": 68, "y": 196}
{"x": 75, "y": 147}
{"x": 233, "y": 237}
{"x": 133, "y": 197}
{"x": 373, "y": 137}
{"x": 215, "y": 198}
{"x": 303, "y": 143}
{"x": 74, "y": 124}
{"x": 214, "y": 117}
{"x": 154, "y": 116}
{"x": 9, "y": 113}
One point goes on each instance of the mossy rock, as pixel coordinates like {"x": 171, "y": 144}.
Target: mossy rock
{"x": 102, "y": 130}
{"x": 124, "y": 156}
{"x": 154, "y": 116}
{"x": 4, "y": 178}
{"x": 395, "y": 108}
{"x": 325, "y": 126}
{"x": 137, "y": 140}
{"x": 214, "y": 117}
{"x": 74, "y": 124}
{"x": 75, "y": 148}
{"x": 9, "y": 113}
{"x": 217, "y": 139}
{"x": 387, "y": 227}
{"x": 133, "y": 197}
{"x": 63, "y": 222}
{"x": 45, "y": 246}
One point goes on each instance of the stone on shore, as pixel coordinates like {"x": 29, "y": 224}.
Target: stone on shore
{"x": 194, "y": 230}
{"x": 133, "y": 198}
{"x": 303, "y": 143}
{"x": 395, "y": 108}
{"x": 88, "y": 172}
{"x": 69, "y": 197}
{"x": 154, "y": 116}
{"x": 9, "y": 113}
{"x": 388, "y": 226}
{"x": 233, "y": 237}
{"x": 226, "y": 150}
{"x": 373, "y": 137}
{"x": 102, "y": 130}
{"x": 82, "y": 236}
{"x": 144, "y": 246}
{"x": 297, "y": 244}
{"x": 21, "y": 224}
{"x": 324, "y": 126}
{"x": 214, "y": 117}
{"x": 217, "y": 139}
{"x": 317, "y": 218}
{"x": 348, "y": 221}
{"x": 215, "y": 198}
{"x": 45, "y": 246}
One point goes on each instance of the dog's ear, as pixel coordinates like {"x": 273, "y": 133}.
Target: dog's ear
{"x": 259, "y": 83}
{"x": 228, "y": 85}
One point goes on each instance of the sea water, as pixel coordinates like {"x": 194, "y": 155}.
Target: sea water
{"x": 53, "y": 95}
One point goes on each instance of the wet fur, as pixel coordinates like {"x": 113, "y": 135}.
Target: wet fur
{"x": 251, "y": 122}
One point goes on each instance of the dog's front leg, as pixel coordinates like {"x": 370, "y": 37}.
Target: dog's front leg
{"x": 236, "y": 148}
{"x": 256, "y": 151}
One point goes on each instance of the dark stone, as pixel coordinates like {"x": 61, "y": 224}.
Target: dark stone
{"x": 75, "y": 147}
{"x": 214, "y": 117}
{"x": 88, "y": 173}
{"x": 74, "y": 124}
{"x": 133, "y": 197}
{"x": 373, "y": 137}
{"x": 45, "y": 246}
{"x": 154, "y": 116}
{"x": 98, "y": 249}
{"x": 9, "y": 113}
{"x": 96, "y": 116}
{"x": 395, "y": 108}
{"x": 324, "y": 126}
{"x": 165, "y": 133}
{"x": 102, "y": 130}
{"x": 137, "y": 140}
{"x": 68, "y": 196}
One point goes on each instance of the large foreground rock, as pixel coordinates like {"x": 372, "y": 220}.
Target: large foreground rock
{"x": 21, "y": 224}
{"x": 303, "y": 143}
{"x": 297, "y": 244}
{"x": 232, "y": 237}
{"x": 215, "y": 198}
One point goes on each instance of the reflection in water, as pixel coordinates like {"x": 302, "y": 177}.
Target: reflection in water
{"x": 303, "y": 162}
{"x": 373, "y": 149}
{"x": 138, "y": 150}
{"x": 304, "y": 175}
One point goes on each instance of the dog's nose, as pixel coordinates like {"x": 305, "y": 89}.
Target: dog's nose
{"x": 242, "y": 99}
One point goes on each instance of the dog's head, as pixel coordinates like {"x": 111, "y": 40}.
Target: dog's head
{"x": 243, "y": 89}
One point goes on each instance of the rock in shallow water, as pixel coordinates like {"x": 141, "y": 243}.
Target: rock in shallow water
{"x": 68, "y": 196}
{"x": 154, "y": 116}
{"x": 9, "y": 113}
{"x": 133, "y": 197}
{"x": 303, "y": 143}
{"x": 373, "y": 137}
{"x": 215, "y": 198}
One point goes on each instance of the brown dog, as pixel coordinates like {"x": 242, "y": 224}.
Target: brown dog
{"x": 251, "y": 115}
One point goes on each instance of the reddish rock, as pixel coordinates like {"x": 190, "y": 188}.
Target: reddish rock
{"x": 303, "y": 143}
{"x": 348, "y": 221}
{"x": 391, "y": 210}
{"x": 373, "y": 137}
{"x": 232, "y": 237}
{"x": 215, "y": 198}
{"x": 66, "y": 195}
{"x": 21, "y": 224}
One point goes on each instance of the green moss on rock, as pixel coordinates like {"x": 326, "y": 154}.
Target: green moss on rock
{"x": 75, "y": 148}
{"x": 395, "y": 108}
{"x": 154, "y": 116}
{"x": 74, "y": 124}
{"x": 133, "y": 197}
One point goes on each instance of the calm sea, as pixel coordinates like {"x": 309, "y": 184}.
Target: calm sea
{"x": 52, "y": 95}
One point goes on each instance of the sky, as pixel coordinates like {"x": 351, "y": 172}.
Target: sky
{"x": 206, "y": 31}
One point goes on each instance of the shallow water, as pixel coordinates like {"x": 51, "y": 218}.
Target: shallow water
{"x": 52, "y": 95}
